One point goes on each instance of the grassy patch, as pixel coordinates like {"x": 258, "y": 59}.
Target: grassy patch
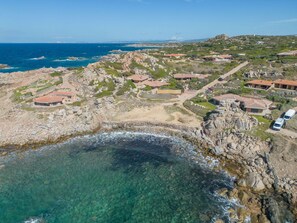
{"x": 109, "y": 84}
{"x": 173, "y": 109}
{"x": 207, "y": 105}
{"x": 260, "y": 130}
{"x": 104, "y": 94}
{"x": 126, "y": 87}
{"x": 56, "y": 74}
{"x": 198, "y": 110}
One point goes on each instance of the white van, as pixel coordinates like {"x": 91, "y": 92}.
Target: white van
{"x": 278, "y": 124}
{"x": 289, "y": 114}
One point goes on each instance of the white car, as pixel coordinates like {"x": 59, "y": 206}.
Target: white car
{"x": 289, "y": 114}
{"x": 278, "y": 124}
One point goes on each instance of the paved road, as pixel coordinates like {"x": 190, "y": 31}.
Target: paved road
{"x": 215, "y": 82}
{"x": 284, "y": 132}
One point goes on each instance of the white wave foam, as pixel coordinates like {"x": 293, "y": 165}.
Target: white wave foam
{"x": 34, "y": 220}
{"x": 38, "y": 58}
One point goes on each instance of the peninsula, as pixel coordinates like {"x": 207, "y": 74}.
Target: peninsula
{"x": 223, "y": 95}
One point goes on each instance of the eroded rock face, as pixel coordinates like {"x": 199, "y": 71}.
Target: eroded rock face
{"x": 254, "y": 181}
{"x": 229, "y": 117}
{"x": 262, "y": 74}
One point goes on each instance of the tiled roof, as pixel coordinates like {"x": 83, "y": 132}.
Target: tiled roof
{"x": 49, "y": 99}
{"x": 138, "y": 77}
{"x": 286, "y": 82}
{"x": 261, "y": 82}
{"x": 155, "y": 83}
{"x": 248, "y": 102}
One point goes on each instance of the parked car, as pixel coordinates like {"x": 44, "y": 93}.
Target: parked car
{"x": 278, "y": 124}
{"x": 289, "y": 114}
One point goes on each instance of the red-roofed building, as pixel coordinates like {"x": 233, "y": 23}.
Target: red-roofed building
{"x": 48, "y": 100}
{"x": 250, "y": 105}
{"x": 260, "y": 84}
{"x": 155, "y": 84}
{"x": 138, "y": 78}
{"x": 286, "y": 84}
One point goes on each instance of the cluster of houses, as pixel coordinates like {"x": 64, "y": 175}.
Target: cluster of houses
{"x": 55, "y": 98}
{"x": 251, "y": 105}
{"x": 278, "y": 84}
{"x": 145, "y": 80}
{"x": 214, "y": 57}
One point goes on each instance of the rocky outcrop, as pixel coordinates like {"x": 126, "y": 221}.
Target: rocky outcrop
{"x": 229, "y": 117}
{"x": 262, "y": 74}
{"x": 3, "y": 66}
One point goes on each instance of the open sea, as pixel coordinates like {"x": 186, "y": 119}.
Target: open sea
{"x": 22, "y": 57}
{"x": 111, "y": 178}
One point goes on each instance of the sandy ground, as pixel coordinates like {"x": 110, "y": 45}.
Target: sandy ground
{"x": 159, "y": 114}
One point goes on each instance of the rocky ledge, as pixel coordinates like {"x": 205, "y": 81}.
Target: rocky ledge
{"x": 4, "y": 66}
{"x": 264, "y": 196}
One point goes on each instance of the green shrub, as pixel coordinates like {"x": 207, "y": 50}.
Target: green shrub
{"x": 56, "y": 74}
{"x": 126, "y": 87}
{"x": 103, "y": 94}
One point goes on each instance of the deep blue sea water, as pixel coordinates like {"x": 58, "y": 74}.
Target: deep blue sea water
{"x": 22, "y": 57}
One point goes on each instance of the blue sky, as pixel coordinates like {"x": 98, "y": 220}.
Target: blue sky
{"x": 129, "y": 20}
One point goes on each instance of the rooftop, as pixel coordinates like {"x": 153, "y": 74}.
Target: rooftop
{"x": 286, "y": 82}
{"x": 155, "y": 83}
{"x": 247, "y": 101}
{"x": 49, "y": 99}
{"x": 256, "y": 103}
{"x": 138, "y": 77}
{"x": 261, "y": 82}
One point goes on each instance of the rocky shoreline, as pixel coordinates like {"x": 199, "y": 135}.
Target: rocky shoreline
{"x": 260, "y": 202}
{"x": 225, "y": 135}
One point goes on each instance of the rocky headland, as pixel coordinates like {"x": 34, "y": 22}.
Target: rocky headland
{"x": 264, "y": 170}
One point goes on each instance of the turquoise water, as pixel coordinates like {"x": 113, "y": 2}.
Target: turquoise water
{"x": 118, "y": 177}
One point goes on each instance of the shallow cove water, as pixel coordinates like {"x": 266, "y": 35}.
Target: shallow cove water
{"x": 115, "y": 177}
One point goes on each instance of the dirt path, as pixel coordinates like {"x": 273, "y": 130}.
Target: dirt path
{"x": 284, "y": 132}
{"x": 192, "y": 94}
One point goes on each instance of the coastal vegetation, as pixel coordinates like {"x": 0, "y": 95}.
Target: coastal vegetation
{"x": 106, "y": 93}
